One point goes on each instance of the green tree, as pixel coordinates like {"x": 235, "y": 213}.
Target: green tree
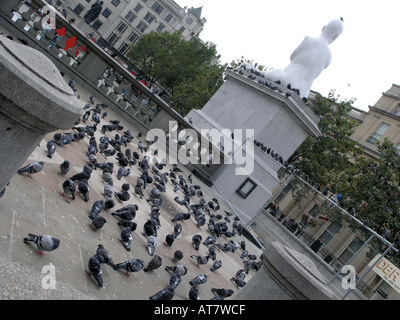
{"x": 184, "y": 67}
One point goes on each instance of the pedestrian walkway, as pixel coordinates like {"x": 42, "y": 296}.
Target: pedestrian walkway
{"x": 35, "y": 206}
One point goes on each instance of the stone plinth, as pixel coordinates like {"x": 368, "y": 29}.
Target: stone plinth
{"x": 286, "y": 275}
{"x": 34, "y": 100}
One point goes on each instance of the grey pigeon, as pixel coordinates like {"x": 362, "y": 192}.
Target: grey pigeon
{"x": 198, "y": 280}
{"x": 109, "y": 204}
{"x": 96, "y": 269}
{"x": 178, "y": 255}
{"x": 200, "y": 259}
{"x": 32, "y": 168}
{"x": 84, "y": 189}
{"x": 164, "y": 294}
{"x": 64, "y": 167}
{"x": 102, "y": 251}
{"x": 175, "y": 280}
{"x": 133, "y": 265}
{"x": 126, "y": 238}
{"x": 178, "y": 268}
{"x": 210, "y": 240}
{"x": 108, "y": 190}
{"x": 97, "y": 207}
{"x": 98, "y": 223}
{"x": 222, "y": 292}
{"x": 152, "y": 243}
{"x": 153, "y": 264}
{"x": 122, "y": 196}
{"x": 51, "y": 148}
{"x": 68, "y": 188}
{"x": 196, "y": 240}
{"x": 169, "y": 239}
{"x": 216, "y": 265}
{"x": 177, "y": 230}
{"x": 212, "y": 251}
{"x": 43, "y": 243}
{"x": 194, "y": 293}
{"x": 238, "y": 282}
{"x": 123, "y": 172}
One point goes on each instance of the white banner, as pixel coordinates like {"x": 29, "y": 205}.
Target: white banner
{"x": 387, "y": 271}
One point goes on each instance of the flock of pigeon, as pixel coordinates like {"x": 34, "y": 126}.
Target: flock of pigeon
{"x": 121, "y": 157}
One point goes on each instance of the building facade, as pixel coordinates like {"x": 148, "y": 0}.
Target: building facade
{"x": 122, "y": 22}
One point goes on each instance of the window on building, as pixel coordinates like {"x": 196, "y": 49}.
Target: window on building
{"x": 97, "y": 24}
{"x": 157, "y": 7}
{"x": 397, "y": 110}
{"x": 246, "y": 188}
{"x": 142, "y": 26}
{"x": 378, "y": 133}
{"x": 115, "y": 2}
{"x": 284, "y": 192}
{"x": 330, "y": 232}
{"x": 133, "y": 37}
{"x": 130, "y": 16}
{"x": 351, "y": 250}
{"x": 123, "y": 48}
{"x": 106, "y": 12}
{"x": 138, "y": 7}
{"x": 169, "y": 17}
{"x": 182, "y": 29}
{"x": 112, "y": 38}
{"x": 160, "y": 27}
{"x": 149, "y": 17}
{"x": 78, "y": 9}
{"x": 122, "y": 27}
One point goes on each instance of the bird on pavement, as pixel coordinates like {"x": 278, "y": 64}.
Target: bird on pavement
{"x": 153, "y": 264}
{"x": 97, "y": 223}
{"x": 68, "y": 189}
{"x": 222, "y": 292}
{"x": 32, "y": 168}
{"x": 126, "y": 238}
{"x": 198, "y": 280}
{"x": 43, "y": 243}
{"x": 169, "y": 239}
{"x": 216, "y": 265}
{"x": 97, "y": 207}
{"x": 64, "y": 167}
{"x": 178, "y": 255}
{"x": 178, "y": 268}
{"x": 102, "y": 251}
{"x": 194, "y": 293}
{"x": 200, "y": 259}
{"x": 84, "y": 189}
{"x": 96, "y": 269}
{"x": 152, "y": 244}
{"x": 175, "y": 280}
{"x": 164, "y": 294}
{"x": 133, "y": 265}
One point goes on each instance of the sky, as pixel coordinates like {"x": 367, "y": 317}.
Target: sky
{"x": 365, "y": 57}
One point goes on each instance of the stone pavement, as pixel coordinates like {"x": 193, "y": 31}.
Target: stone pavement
{"x": 35, "y": 206}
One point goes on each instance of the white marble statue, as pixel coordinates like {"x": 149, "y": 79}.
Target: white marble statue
{"x": 307, "y": 60}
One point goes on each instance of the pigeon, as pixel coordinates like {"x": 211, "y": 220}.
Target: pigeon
{"x": 108, "y": 190}
{"x": 152, "y": 244}
{"x": 122, "y": 196}
{"x": 175, "y": 280}
{"x": 178, "y": 268}
{"x": 84, "y": 190}
{"x": 126, "y": 215}
{"x": 126, "y": 238}
{"x": 153, "y": 264}
{"x": 98, "y": 223}
{"x": 222, "y": 292}
{"x": 238, "y": 282}
{"x": 97, "y": 207}
{"x": 43, "y": 243}
{"x": 210, "y": 240}
{"x": 178, "y": 255}
{"x": 123, "y": 172}
{"x": 169, "y": 239}
{"x": 133, "y": 265}
{"x": 96, "y": 269}
{"x": 125, "y": 186}
{"x": 130, "y": 224}
{"x": 51, "y": 148}
{"x": 216, "y": 265}
{"x": 80, "y": 176}
{"x": 200, "y": 259}
{"x": 212, "y": 252}
{"x": 32, "y": 168}
{"x": 198, "y": 280}
{"x": 109, "y": 204}
{"x": 64, "y": 167}
{"x": 68, "y": 188}
{"x": 177, "y": 230}
{"x": 194, "y": 293}
{"x": 164, "y": 294}
{"x": 101, "y": 251}
{"x": 196, "y": 240}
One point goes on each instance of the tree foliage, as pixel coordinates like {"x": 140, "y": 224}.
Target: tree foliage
{"x": 187, "y": 68}
{"x": 369, "y": 188}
